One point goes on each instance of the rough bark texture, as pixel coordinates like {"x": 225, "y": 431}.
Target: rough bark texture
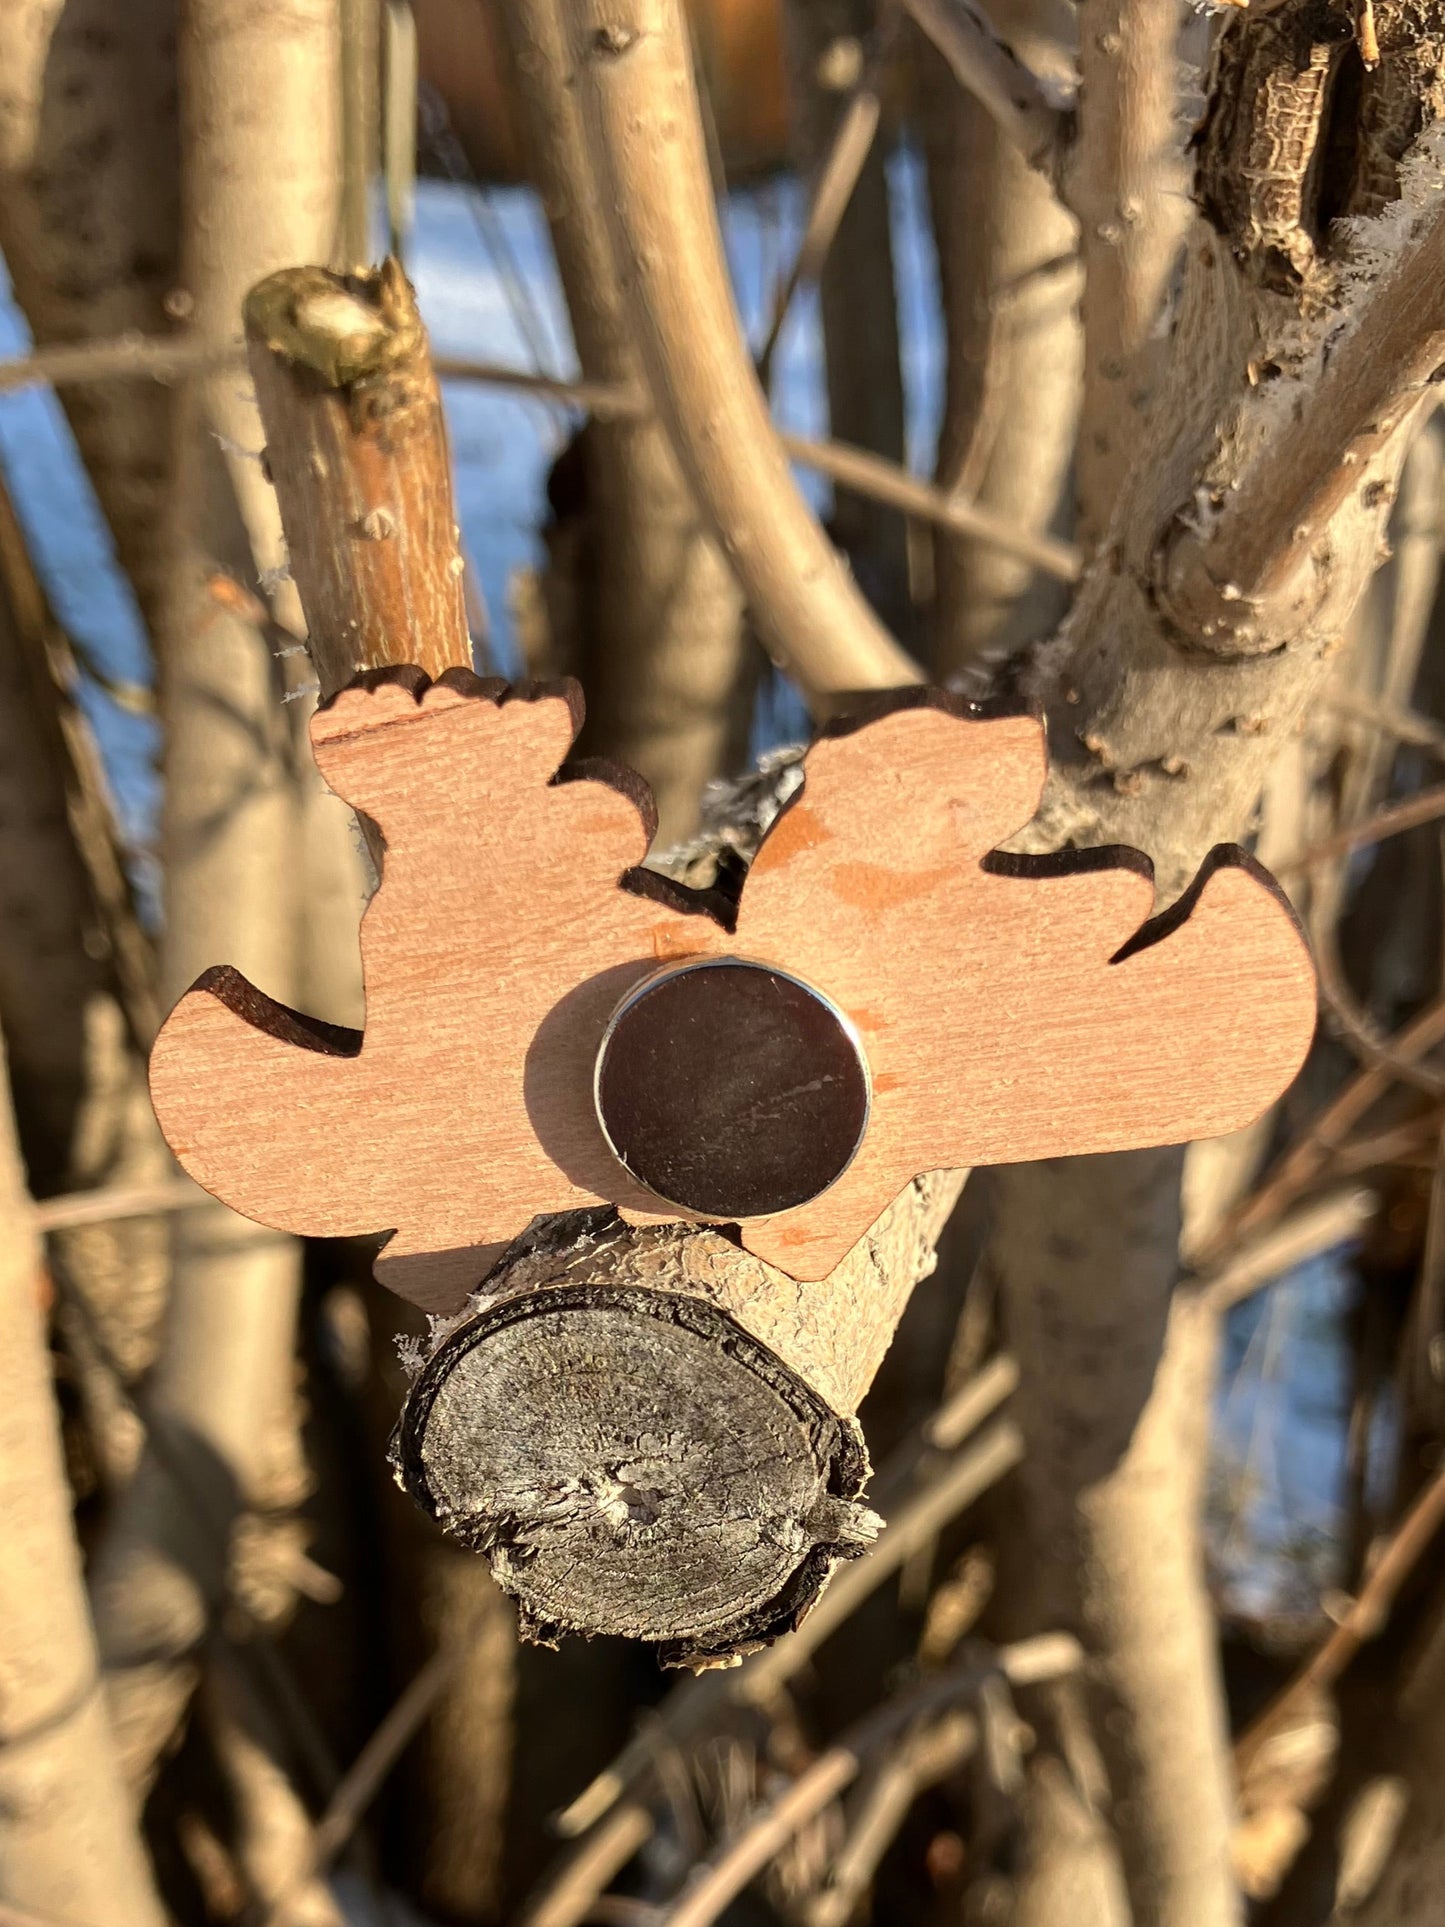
{"x": 659, "y": 642}
{"x": 89, "y": 228}
{"x": 260, "y": 145}
{"x": 1007, "y": 261}
{"x": 69, "y": 1846}
{"x": 598, "y": 1514}
{"x": 858, "y": 295}
{"x": 356, "y": 445}
{"x": 1176, "y": 680}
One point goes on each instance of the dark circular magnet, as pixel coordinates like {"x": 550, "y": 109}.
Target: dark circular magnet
{"x": 732, "y": 1089}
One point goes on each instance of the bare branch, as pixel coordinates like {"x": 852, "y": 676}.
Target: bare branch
{"x": 870, "y": 475}
{"x": 999, "y": 81}
{"x": 851, "y": 145}
{"x": 1125, "y": 182}
{"x": 1319, "y": 439}
{"x": 1364, "y": 1619}
{"x": 356, "y": 446}
{"x": 865, "y": 474}
{"x": 636, "y": 75}
{"x": 68, "y": 1838}
{"x": 1316, "y": 1227}
{"x": 716, "y": 1884}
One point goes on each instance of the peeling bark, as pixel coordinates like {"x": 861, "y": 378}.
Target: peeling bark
{"x": 1245, "y": 535}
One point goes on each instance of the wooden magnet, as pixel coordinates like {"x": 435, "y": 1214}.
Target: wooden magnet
{"x": 551, "y": 1027}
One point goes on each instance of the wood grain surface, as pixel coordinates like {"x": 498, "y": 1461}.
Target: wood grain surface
{"x": 1011, "y": 1008}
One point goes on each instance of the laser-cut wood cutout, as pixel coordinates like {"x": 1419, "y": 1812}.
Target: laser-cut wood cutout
{"x": 511, "y": 920}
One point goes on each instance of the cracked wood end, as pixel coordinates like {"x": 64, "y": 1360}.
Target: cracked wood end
{"x": 632, "y": 1462}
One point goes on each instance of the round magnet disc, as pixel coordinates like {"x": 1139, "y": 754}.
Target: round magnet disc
{"x": 732, "y": 1089}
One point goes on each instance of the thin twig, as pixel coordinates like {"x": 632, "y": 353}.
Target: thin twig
{"x": 571, "y": 1892}
{"x": 1316, "y": 1227}
{"x": 847, "y": 155}
{"x": 363, "y": 1780}
{"x": 1326, "y": 1134}
{"x": 884, "y": 481}
{"x": 1365, "y": 1618}
{"x": 988, "y": 68}
{"x": 1405, "y": 725}
{"x": 1390, "y": 821}
{"x": 974, "y": 1402}
{"x": 166, "y": 360}
{"x": 111, "y": 1203}
{"x": 924, "y": 1757}
{"x": 622, "y": 1824}
{"x": 714, "y": 1886}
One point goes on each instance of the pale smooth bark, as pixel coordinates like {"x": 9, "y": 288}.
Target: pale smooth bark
{"x": 1125, "y": 183}
{"x": 659, "y": 642}
{"x": 634, "y": 80}
{"x": 69, "y": 1844}
{"x": 260, "y": 144}
{"x": 1009, "y": 276}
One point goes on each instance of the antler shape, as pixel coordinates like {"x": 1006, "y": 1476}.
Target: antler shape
{"x": 1005, "y": 1008}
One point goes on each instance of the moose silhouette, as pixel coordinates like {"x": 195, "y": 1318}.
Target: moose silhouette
{"x": 1008, "y": 1008}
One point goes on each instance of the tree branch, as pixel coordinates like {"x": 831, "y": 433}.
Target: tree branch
{"x": 988, "y": 68}
{"x": 635, "y": 74}
{"x": 356, "y": 445}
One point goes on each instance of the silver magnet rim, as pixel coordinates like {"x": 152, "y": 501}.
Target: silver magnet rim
{"x": 686, "y": 967}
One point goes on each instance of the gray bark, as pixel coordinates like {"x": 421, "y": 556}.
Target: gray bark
{"x": 1008, "y": 267}
{"x": 659, "y": 644}
{"x": 69, "y": 1845}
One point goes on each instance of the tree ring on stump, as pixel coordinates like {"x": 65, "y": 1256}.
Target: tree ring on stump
{"x": 633, "y": 1462}
{"x": 732, "y": 1089}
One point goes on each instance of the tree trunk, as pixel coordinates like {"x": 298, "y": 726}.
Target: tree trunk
{"x": 1008, "y": 272}
{"x": 69, "y": 1846}
{"x": 89, "y": 227}
{"x": 827, "y": 44}
{"x": 260, "y": 158}
{"x": 76, "y": 999}
{"x": 661, "y": 650}
{"x": 1247, "y": 531}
